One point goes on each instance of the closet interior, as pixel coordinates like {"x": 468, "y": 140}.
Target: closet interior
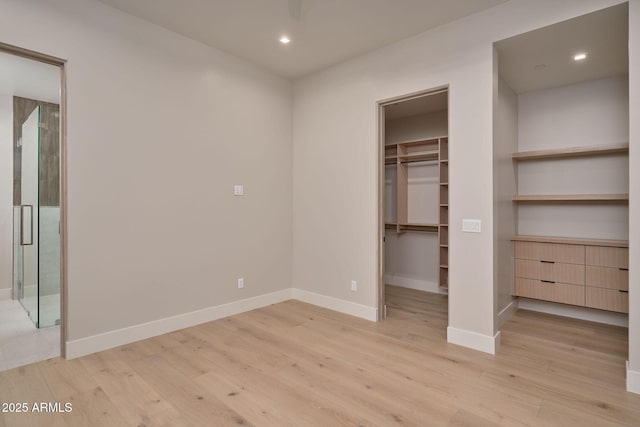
{"x": 416, "y": 193}
{"x": 561, "y": 169}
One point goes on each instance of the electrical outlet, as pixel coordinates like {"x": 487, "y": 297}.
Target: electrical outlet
{"x": 238, "y": 190}
{"x": 354, "y": 285}
{"x": 240, "y": 283}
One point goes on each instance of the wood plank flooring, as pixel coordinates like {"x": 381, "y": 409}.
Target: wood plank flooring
{"x": 294, "y": 364}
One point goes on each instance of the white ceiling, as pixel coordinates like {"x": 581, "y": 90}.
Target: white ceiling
{"x": 543, "y": 58}
{"x": 29, "y": 79}
{"x": 323, "y": 32}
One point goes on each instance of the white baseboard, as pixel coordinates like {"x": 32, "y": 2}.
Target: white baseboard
{"x": 408, "y": 282}
{"x": 633, "y": 380}
{"x": 507, "y": 313}
{"x": 486, "y": 343}
{"x": 5, "y": 294}
{"x": 343, "y": 306}
{"x": 582, "y": 313}
{"x": 95, "y": 343}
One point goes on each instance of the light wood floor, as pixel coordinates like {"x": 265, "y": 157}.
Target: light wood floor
{"x": 293, "y": 364}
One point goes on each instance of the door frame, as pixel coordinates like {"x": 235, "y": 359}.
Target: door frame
{"x": 380, "y": 140}
{"x": 61, "y": 64}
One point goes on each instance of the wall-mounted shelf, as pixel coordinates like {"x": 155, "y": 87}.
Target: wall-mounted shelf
{"x": 571, "y": 198}
{"x": 571, "y": 152}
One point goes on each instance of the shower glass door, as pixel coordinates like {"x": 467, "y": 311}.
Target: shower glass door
{"x": 26, "y": 217}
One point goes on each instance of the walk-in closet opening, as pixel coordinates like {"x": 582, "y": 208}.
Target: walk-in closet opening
{"x": 30, "y": 207}
{"x": 561, "y": 169}
{"x": 414, "y": 213}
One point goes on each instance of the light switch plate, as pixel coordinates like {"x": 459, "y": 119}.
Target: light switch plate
{"x": 238, "y": 190}
{"x": 471, "y": 225}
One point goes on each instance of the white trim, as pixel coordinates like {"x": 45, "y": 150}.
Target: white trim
{"x": 486, "y": 343}
{"x": 507, "y": 313}
{"x": 104, "y": 341}
{"x": 411, "y": 283}
{"x": 5, "y": 294}
{"x": 340, "y": 305}
{"x": 582, "y": 313}
{"x": 633, "y": 380}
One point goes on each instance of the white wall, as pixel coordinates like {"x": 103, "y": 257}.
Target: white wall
{"x": 589, "y": 113}
{"x": 505, "y": 140}
{"x": 633, "y": 378}
{"x": 430, "y": 125}
{"x": 6, "y": 194}
{"x": 335, "y": 222}
{"x": 160, "y": 128}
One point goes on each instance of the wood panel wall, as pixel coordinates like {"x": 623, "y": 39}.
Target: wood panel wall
{"x": 49, "y": 145}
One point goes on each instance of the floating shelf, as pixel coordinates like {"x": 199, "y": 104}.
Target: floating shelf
{"x": 571, "y": 152}
{"x": 572, "y": 241}
{"x": 572, "y": 198}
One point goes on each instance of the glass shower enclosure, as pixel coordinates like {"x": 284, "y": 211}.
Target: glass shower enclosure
{"x": 36, "y": 259}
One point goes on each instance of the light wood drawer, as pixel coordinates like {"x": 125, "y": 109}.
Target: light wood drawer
{"x": 556, "y": 292}
{"x": 607, "y": 299}
{"x": 554, "y": 271}
{"x": 607, "y": 277}
{"x": 572, "y": 254}
{"x": 608, "y": 257}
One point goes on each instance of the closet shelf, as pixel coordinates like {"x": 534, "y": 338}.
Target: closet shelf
{"x": 429, "y": 228}
{"x": 571, "y": 198}
{"x": 571, "y": 152}
{"x": 428, "y": 141}
{"x": 419, "y": 155}
{"x": 571, "y": 241}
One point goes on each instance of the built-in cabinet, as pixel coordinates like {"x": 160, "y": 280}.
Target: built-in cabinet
{"x": 561, "y": 169}
{"x": 584, "y": 272}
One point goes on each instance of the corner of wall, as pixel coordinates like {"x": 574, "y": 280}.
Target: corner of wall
{"x": 485, "y": 343}
{"x": 336, "y": 304}
{"x": 633, "y": 380}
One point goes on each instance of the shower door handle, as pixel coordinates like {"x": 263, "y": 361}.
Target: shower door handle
{"x": 22, "y": 225}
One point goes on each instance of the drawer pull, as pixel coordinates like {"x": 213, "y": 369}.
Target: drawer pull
{"x": 623, "y": 269}
{"x": 624, "y": 292}
{"x": 547, "y": 281}
{"x": 548, "y": 262}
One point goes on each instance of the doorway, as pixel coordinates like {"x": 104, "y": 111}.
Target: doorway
{"x": 414, "y": 204}
{"x": 31, "y": 229}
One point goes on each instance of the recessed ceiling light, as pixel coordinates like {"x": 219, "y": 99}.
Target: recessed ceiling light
{"x": 579, "y": 56}
{"x": 285, "y": 40}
